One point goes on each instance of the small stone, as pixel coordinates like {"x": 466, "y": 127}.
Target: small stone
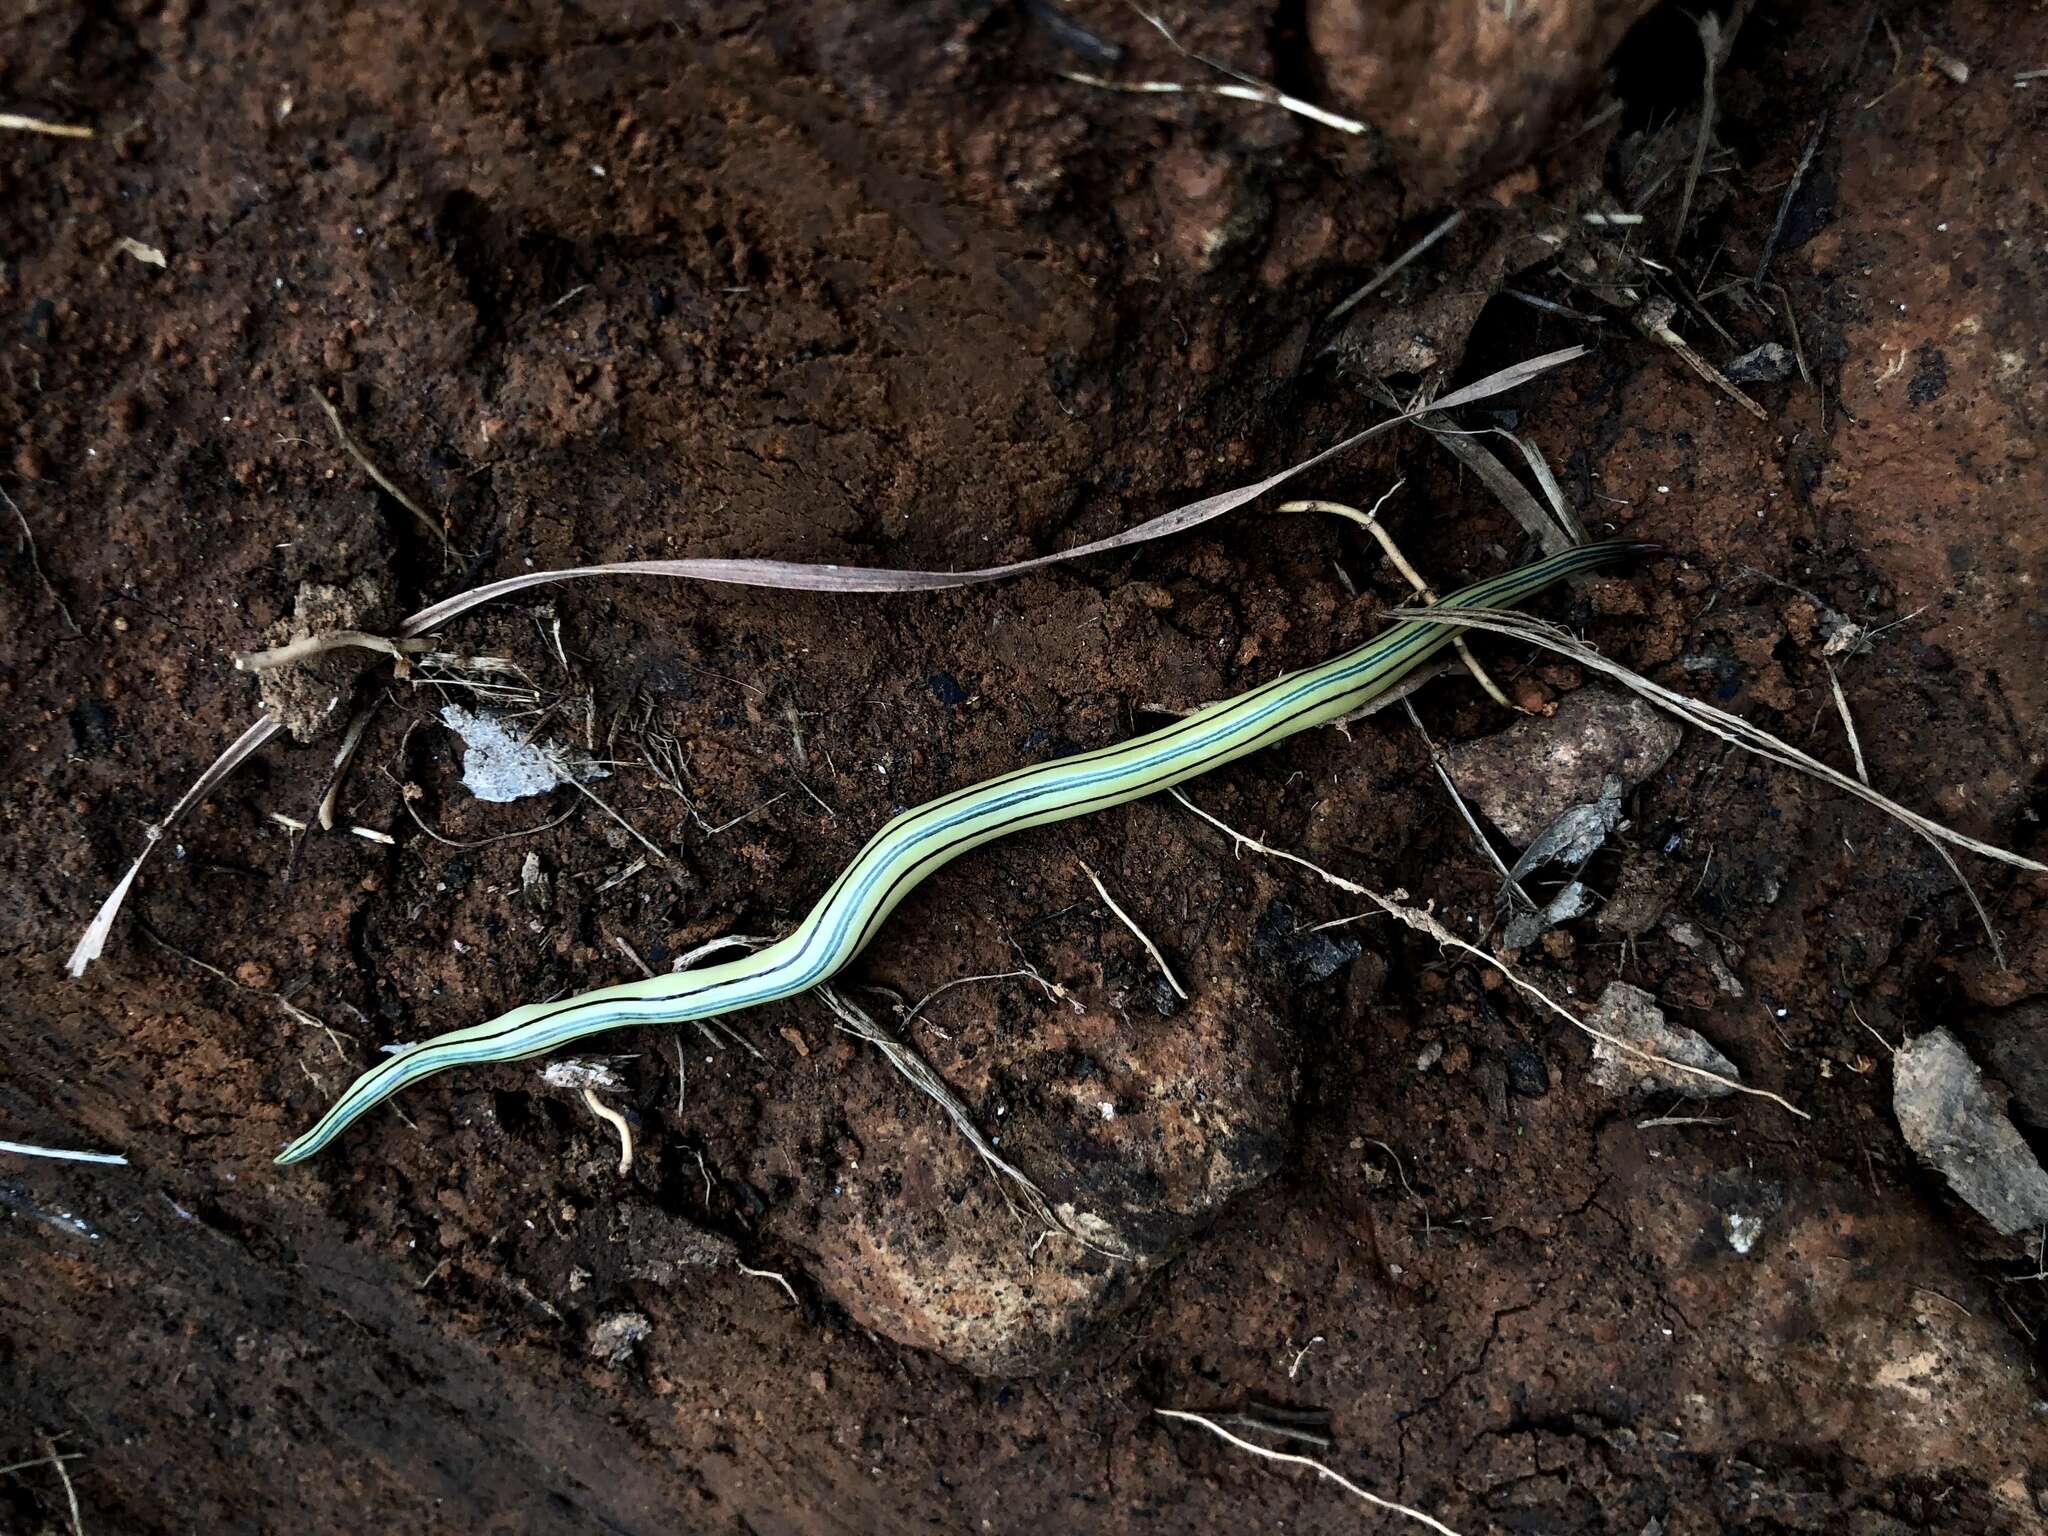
{"x": 1689, "y": 935}
{"x": 1743, "y": 1230}
{"x": 1165, "y": 1001}
{"x": 1139, "y": 1132}
{"x": 1317, "y": 957}
{"x": 1630, "y": 1014}
{"x": 1525, "y": 777}
{"x": 615, "y": 1338}
{"x": 1950, "y": 1119}
{"x": 1767, "y": 364}
{"x": 660, "y": 1247}
{"x": 254, "y": 975}
{"x": 1528, "y": 1075}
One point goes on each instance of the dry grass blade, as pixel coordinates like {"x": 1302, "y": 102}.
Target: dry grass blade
{"x": 919, "y": 1073}
{"x": 1567, "y": 520}
{"x": 1499, "y": 479}
{"x": 15, "y": 122}
{"x": 1394, "y": 268}
{"x": 1321, "y": 1469}
{"x": 94, "y": 939}
{"x": 841, "y": 578}
{"x": 355, "y": 451}
{"x": 1131, "y": 923}
{"x": 1716, "y": 722}
{"x": 798, "y": 576}
{"x": 1710, "y": 43}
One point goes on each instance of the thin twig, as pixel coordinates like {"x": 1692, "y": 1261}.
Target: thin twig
{"x": 584, "y": 789}
{"x": 338, "y": 772}
{"x": 1319, "y": 1468}
{"x": 1791, "y": 191}
{"x": 1264, "y": 94}
{"x": 1131, "y": 923}
{"x": 1247, "y": 88}
{"x": 617, "y": 1122}
{"x": 1654, "y": 318}
{"x": 726, "y": 826}
{"x": 330, "y": 640}
{"x": 292, "y": 1010}
{"x": 40, "y": 1461}
{"x": 1370, "y": 522}
{"x": 480, "y": 842}
{"x": 64, "y": 1476}
{"x": 1848, "y": 723}
{"x": 779, "y": 1279}
{"x": 1394, "y": 268}
{"x": 355, "y": 452}
{"x": 35, "y": 564}
{"x": 909, "y": 1015}
{"x": 1443, "y": 772}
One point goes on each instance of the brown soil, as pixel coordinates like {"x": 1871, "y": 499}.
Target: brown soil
{"x": 873, "y": 286}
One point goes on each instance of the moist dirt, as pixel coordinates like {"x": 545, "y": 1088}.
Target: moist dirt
{"x": 877, "y": 286}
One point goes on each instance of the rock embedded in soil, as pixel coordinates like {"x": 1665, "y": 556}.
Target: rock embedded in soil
{"x": 614, "y": 1339}
{"x": 1463, "y": 91}
{"x": 1525, "y": 777}
{"x": 1951, "y": 1120}
{"x": 1631, "y": 1014}
{"x": 1139, "y": 1129}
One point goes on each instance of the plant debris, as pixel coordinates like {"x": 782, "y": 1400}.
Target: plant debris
{"x": 1568, "y": 843}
